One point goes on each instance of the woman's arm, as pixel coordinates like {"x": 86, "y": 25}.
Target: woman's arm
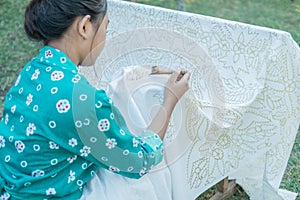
{"x": 174, "y": 90}
{"x": 107, "y": 138}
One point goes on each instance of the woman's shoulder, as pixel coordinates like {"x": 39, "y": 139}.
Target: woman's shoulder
{"x": 45, "y": 79}
{"x": 53, "y": 66}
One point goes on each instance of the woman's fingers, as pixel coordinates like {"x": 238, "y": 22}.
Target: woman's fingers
{"x": 174, "y": 76}
{"x": 178, "y": 75}
{"x": 187, "y": 76}
{"x": 183, "y": 76}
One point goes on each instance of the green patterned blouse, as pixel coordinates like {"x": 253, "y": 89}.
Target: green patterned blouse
{"x": 57, "y": 129}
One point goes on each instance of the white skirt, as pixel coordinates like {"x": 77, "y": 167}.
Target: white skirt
{"x": 106, "y": 185}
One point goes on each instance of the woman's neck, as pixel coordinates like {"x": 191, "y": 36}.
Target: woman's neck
{"x": 67, "y": 48}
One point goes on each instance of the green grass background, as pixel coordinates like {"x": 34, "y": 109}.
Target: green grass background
{"x": 16, "y": 49}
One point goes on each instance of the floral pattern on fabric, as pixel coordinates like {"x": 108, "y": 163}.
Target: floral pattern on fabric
{"x": 6, "y": 119}
{"x": 113, "y": 169}
{"x": 29, "y": 99}
{"x": 71, "y": 176}
{"x": 13, "y": 109}
{"x": 20, "y": 146}
{"x": 53, "y": 145}
{"x": 73, "y": 142}
{"x": 72, "y": 158}
{"x": 48, "y": 54}
{"x": 57, "y": 75}
{"x": 18, "y": 80}
{"x": 103, "y": 125}
{"x": 63, "y": 106}
{"x": 30, "y": 129}
{"x": 2, "y": 141}
{"x": 111, "y": 143}
{"x": 5, "y": 196}
{"x": 35, "y": 75}
{"x": 38, "y": 173}
{"x": 85, "y": 151}
{"x": 51, "y": 191}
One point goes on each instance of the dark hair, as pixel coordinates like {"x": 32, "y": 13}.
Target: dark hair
{"x": 46, "y": 20}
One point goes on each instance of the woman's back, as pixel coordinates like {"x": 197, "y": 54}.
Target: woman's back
{"x": 39, "y": 143}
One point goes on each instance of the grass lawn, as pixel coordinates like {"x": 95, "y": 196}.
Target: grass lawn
{"x": 16, "y": 49}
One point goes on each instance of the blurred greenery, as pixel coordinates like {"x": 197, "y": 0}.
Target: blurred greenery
{"x": 16, "y": 50}
{"x": 277, "y": 14}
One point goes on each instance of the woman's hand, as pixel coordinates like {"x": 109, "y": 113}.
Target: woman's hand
{"x": 176, "y": 87}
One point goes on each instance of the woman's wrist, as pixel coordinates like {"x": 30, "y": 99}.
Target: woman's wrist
{"x": 169, "y": 105}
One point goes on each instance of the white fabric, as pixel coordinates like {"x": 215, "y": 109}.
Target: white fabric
{"x": 108, "y": 186}
{"x": 240, "y": 117}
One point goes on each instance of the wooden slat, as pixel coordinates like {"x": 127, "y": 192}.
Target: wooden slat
{"x": 225, "y": 189}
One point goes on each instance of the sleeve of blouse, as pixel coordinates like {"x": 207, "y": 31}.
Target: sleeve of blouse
{"x": 108, "y": 139}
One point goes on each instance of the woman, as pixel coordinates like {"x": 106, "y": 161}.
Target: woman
{"x": 47, "y": 143}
